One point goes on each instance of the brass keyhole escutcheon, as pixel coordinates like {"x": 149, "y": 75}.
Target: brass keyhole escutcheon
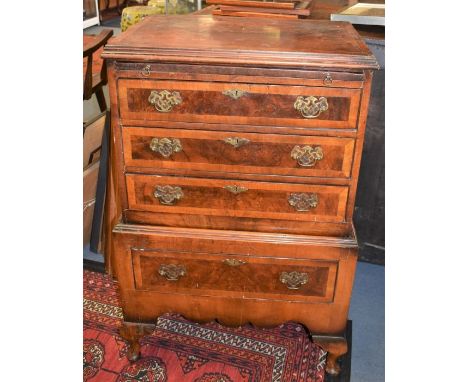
{"x": 236, "y": 190}
{"x": 236, "y": 141}
{"x": 234, "y": 262}
{"x": 234, "y": 93}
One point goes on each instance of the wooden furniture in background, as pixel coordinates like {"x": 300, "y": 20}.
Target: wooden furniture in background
{"x": 361, "y": 13}
{"x": 272, "y": 9}
{"x": 236, "y": 147}
{"x": 90, "y": 175}
{"x": 111, "y": 4}
{"x": 94, "y": 68}
{"x": 98, "y": 231}
{"x": 322, "y": 10}
{"x": 90, "y": 13}
{"x": 92, "y": 139}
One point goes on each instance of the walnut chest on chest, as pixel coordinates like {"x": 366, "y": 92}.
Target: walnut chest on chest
{"x": 235, "y": 154}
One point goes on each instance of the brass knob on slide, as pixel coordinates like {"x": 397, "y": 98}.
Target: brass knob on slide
{"x": 328, "y": 80}
{"x": 172, "y": 272}
{"x": 146, "y": 71}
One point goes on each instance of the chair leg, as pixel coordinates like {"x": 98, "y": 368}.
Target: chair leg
{"x": 101, "y": 99}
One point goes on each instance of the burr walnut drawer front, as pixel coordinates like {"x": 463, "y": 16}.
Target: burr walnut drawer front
{"x": 234, "y": 198}
{"x": 238, "y": 152}
{"x": 238, "y": 103}
{"x": 247, "y": 277}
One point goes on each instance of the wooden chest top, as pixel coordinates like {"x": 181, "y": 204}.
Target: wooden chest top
{"x": 243, "y": 41}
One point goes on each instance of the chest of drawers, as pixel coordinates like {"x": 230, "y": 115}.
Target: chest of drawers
{"x": 235, "y": 154}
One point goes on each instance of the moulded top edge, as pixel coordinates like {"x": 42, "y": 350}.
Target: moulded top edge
{"x": 266, "y": 42}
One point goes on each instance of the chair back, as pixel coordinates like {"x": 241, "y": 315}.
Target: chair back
{"x": 88, "y": 50}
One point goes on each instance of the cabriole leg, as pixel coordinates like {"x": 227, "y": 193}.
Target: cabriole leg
{"x": 133, "y": 332}
{"x": 336, "y": 347}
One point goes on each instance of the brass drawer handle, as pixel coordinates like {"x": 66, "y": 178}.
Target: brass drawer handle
{"x": 168, "y": 195}
{"x": 294, "y": 280}
{"x": 165, "y": 146}
{"x": 303, "y": 202}
{"x": 307, "y": 156}
{"x": 172, "y": 272}
{"x": 311, "y": 107}
{"x": 236, "y": 141}
{"x": 235, "y": 189}
{"x": 234, "y": 262}
{"x": 234, "y": 93}
{"x": 164, "y": 100}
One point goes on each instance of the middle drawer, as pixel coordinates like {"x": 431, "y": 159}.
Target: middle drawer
{"x": 274, "y": 154}
{"x": 235, "y": 198}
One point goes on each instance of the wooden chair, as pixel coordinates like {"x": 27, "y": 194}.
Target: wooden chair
{"x": 95, "y": 80}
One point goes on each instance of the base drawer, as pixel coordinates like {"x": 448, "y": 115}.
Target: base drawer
{"x": 187, "y": 270}
{"x": 231, "y": 275}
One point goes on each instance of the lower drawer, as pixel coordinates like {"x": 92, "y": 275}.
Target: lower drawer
{"x": 225, "y": 275}
{"x": 245, "y": 276}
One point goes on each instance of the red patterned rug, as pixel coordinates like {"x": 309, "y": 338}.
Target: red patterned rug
{"x": 181, "y": 351}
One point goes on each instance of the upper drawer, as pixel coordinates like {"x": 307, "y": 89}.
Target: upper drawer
{"x": 238, "y": 152}
{"x": 238, "y": 103}
{"x": 235, "y": 198}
